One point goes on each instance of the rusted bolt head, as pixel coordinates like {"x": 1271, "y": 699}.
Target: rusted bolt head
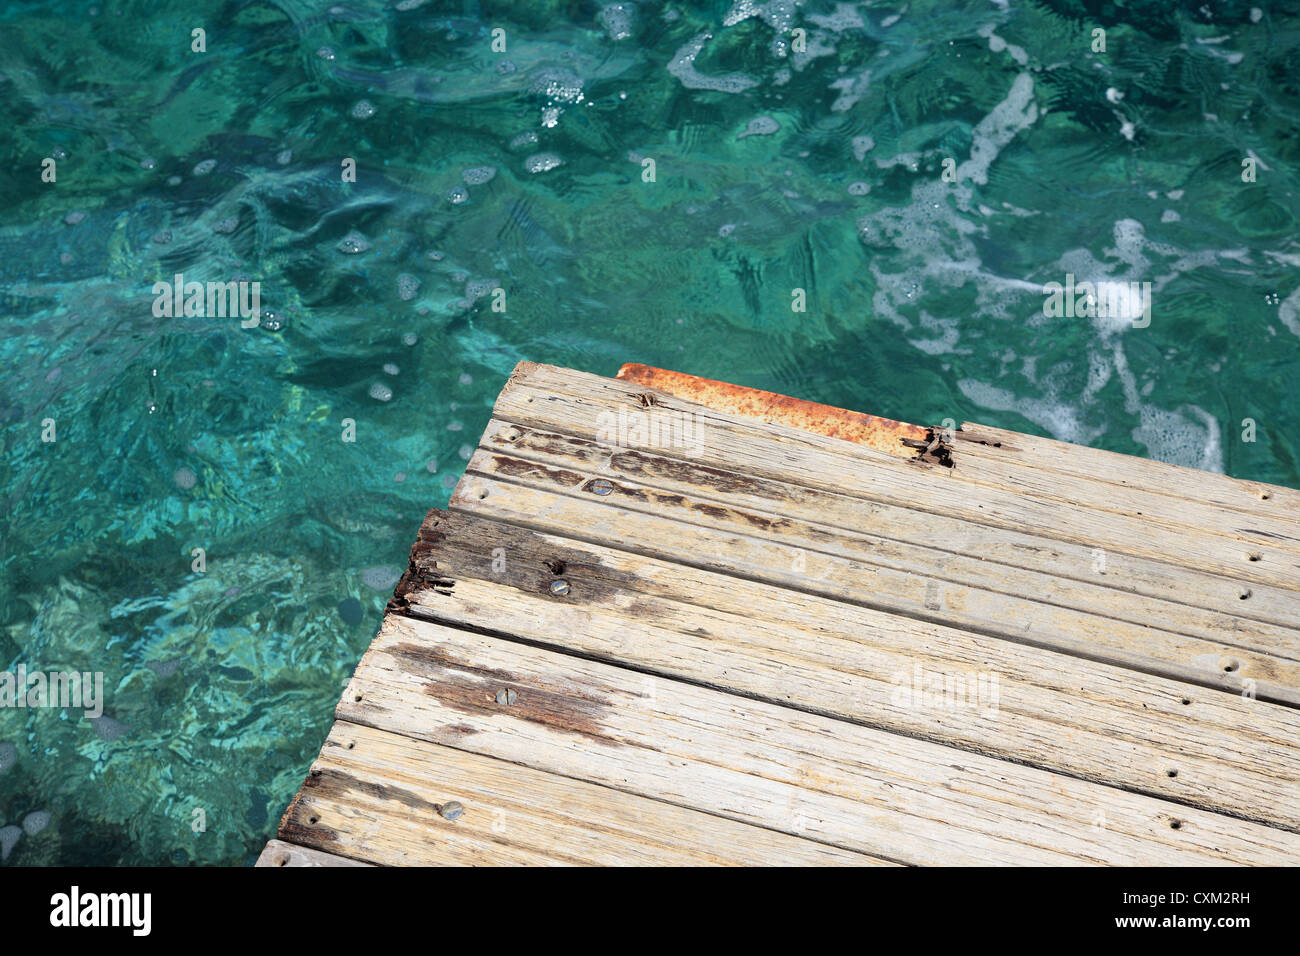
{"x": 600, "y": 487}
{"x": 560, "y": 587}
{"x": 506, "y": 696}
{"x": 451, "y": 810}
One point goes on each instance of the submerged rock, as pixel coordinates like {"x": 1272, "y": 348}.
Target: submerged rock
{"x": 380, "y": 578}
{"x": 109, "y": 728}
{"x": 478, "y": 175}
{"x": 407, "y": 286}
{"x": 9, "y": 837}
{"x": 760, "y": 126}
{"x": 351, "y": 611}
{"x": 353, "y": 243}
{"x": 542, "y": 162}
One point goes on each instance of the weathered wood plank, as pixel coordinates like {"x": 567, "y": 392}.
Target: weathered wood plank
{"x": 1184, "y": 515}
{"x": 999, "y": 458}
{"x": 946, "y": 544}
{"x": 1088, "y": 719}
{"x": 384, "y": 797}
{"x": 1149, "y": 634}
{"x": 882, "y": 434}
{"x": 278, "y": 853}
{"x": 1257, "y": 499}
{"x": 836, "y": 782}
{"x": 581, "y": 404}
{"x": 1253, "y": 498}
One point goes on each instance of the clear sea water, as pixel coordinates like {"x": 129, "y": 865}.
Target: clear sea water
{"x": 782, "y": 161}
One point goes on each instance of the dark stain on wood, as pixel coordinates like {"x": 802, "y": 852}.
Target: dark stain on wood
{"x": 568, "y": 706}
{"x": 519, "y": 468}
{"x": 652, "y": 466}
{"x": 652, "y": 496}
{"x": 1267, "y": 534}
{"x": 519, "y": 373}
{"x": 972, "y": 437}
{"x": 649, "y": 467}
{"x": 296, "y": 826}
{"x": 337, "y": 785}
{"x": 532, "y": 438}
{"x": 312, "y": 835}
{"x": 455, "y": 546}
{"x": 934, "y": 448}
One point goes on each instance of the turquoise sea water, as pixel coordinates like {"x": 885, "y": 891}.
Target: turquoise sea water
{"x": 783, "y": 161}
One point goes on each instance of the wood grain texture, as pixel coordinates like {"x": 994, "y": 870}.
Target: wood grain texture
{"x": 382, "y": 797}
{"x": 776, "y": 504}
{"x": 1026, "y": 606}
{"x": 984, "y": 466}
{"x": 277, "y": 853}
{"x": 805, "y": 774}
{"x": 1091, "y": 720}
{"x": 574, "y": 403}
{"x": 1254, "y": 499}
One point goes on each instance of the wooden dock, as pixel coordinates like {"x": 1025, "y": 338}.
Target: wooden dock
{"x": 673, "y": 621}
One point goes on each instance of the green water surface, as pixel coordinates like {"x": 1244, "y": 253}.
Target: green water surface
{"x": 783, "y": 161}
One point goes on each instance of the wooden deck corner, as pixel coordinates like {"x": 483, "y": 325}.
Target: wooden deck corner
{"x": 671, "y": 621}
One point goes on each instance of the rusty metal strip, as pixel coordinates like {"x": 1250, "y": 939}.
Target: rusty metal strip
{"x": 882, "y": 434}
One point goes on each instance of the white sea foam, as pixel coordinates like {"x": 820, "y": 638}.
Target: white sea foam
{"x": 992, "y": 134}
{"x": 844, "y": 17}
{"x": 947, "y": 335}
{"x": 852, "y": 89}
{"x": 1172, "y": 437}
{"x": 682, "y": 66}
{"x": 999, "y": 45}
{"x": 1059, "y": 419}
{"x": 1289, "y": 312}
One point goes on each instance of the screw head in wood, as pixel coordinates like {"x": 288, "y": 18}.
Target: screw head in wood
{"x": 451, "y": 810}
{"x": 560, "y": 587}
{"x": 600, "y": 487}
{"x": 506, "y": 696}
